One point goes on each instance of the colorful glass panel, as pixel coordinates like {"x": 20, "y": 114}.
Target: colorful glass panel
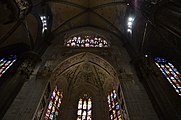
{"x": 86, "y": 41}
{"x": 114, "y": 107}
{"x": 170, "y": 72}
{"x": 84, "y": 108}
{"x": 54, "y": 105}
{"x": 6, "y": 63}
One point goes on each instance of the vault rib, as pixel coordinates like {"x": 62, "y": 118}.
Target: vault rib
{"x": 108, "y": 22}
{"x": 68, "y": 3}
{"x": 108, "y": 4}
{"x": 70, "y": 19}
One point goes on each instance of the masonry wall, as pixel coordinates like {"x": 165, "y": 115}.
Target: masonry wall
{"x": 27, "y": 104}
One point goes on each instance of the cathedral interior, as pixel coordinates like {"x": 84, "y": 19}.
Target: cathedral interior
{"x": 90, "y": 60}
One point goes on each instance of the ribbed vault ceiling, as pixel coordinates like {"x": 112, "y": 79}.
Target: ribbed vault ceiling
{"x": 109, "y": 16}
{"x": 86, "y": 69}
{"x": 103, "y": 14}
{"x": 106, "y": 15}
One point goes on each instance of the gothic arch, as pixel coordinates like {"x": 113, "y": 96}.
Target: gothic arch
{"x": 82, "y": 65}
{"x": 85, "y": 73}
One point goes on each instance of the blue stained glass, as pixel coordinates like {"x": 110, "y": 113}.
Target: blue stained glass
{"x": 117, "y": 107}
{"x": 170, "y": 72}
{"x": 54, "y": 105}
{"x": 160, "y": 60}
{"x": 114, "y": 108}
{"x": 6, "y": 63}
{"x": 118, "y": 113}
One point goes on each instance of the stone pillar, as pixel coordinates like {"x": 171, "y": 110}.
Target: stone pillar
{"x": 29, "y": 61}
{"x": 135, "y": 99}
{"x": 21, "y": 88}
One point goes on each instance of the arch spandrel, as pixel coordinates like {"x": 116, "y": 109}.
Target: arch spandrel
{"x": 87, "y": 68}
{"x": 82, "y": 57}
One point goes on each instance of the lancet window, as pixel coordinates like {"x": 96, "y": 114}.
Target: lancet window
{"x": 114, "y": 107}
{"x": 6, "y": 63}
{"x": 44, "y": 23}
{"x": 54, "y": 105}
{"x": 84, "y": 108}
{"x": 170, "y": 72}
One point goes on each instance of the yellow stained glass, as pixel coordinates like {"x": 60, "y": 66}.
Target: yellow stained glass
{"x": 84, "y": 108}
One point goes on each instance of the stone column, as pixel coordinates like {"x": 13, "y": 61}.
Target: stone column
{"x": 24, "y": 88}
{"x": 29, "y": 61}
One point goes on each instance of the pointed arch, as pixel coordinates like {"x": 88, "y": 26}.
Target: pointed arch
{"x": 86, "y": 39}
{"x": 83, "y": 57}
{"x": 93, "y": 74}
{"x": 72, "y": 64}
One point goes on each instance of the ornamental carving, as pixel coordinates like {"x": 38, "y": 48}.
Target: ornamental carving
{"x": 24, "y": 6}
{"x": 83, "y": 57}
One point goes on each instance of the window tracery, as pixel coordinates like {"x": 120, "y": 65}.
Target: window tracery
{"x": 170, "y": 72}
{"x": 6, "y": 63}
{"x": 54, "y": 105}
{"x": 114, "y": 107}
{"x": 86, "y": 41}
{"x": 24, "y": 6}
{"x": 84, "y": 108}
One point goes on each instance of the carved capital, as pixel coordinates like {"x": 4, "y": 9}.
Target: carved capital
{"x": 29, "y": 60}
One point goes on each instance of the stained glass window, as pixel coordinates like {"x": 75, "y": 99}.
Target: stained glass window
{"x": 44, "y": 23}
{"x": 114, "y": 107}
{"x": 170, "y": 72}
{"x": 86, "y": 41}
{"x": 84, "y": 108}
{"x": 54, "y": 105}
{"x": 6, "y": 63}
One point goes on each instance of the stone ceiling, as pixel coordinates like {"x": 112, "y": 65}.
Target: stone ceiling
{"x": 103, "y": 14}
{"x": 107, "y": 15}
{"x": 86, "y": 69}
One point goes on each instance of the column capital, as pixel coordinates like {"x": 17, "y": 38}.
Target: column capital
{"x": 29, "y": 60}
